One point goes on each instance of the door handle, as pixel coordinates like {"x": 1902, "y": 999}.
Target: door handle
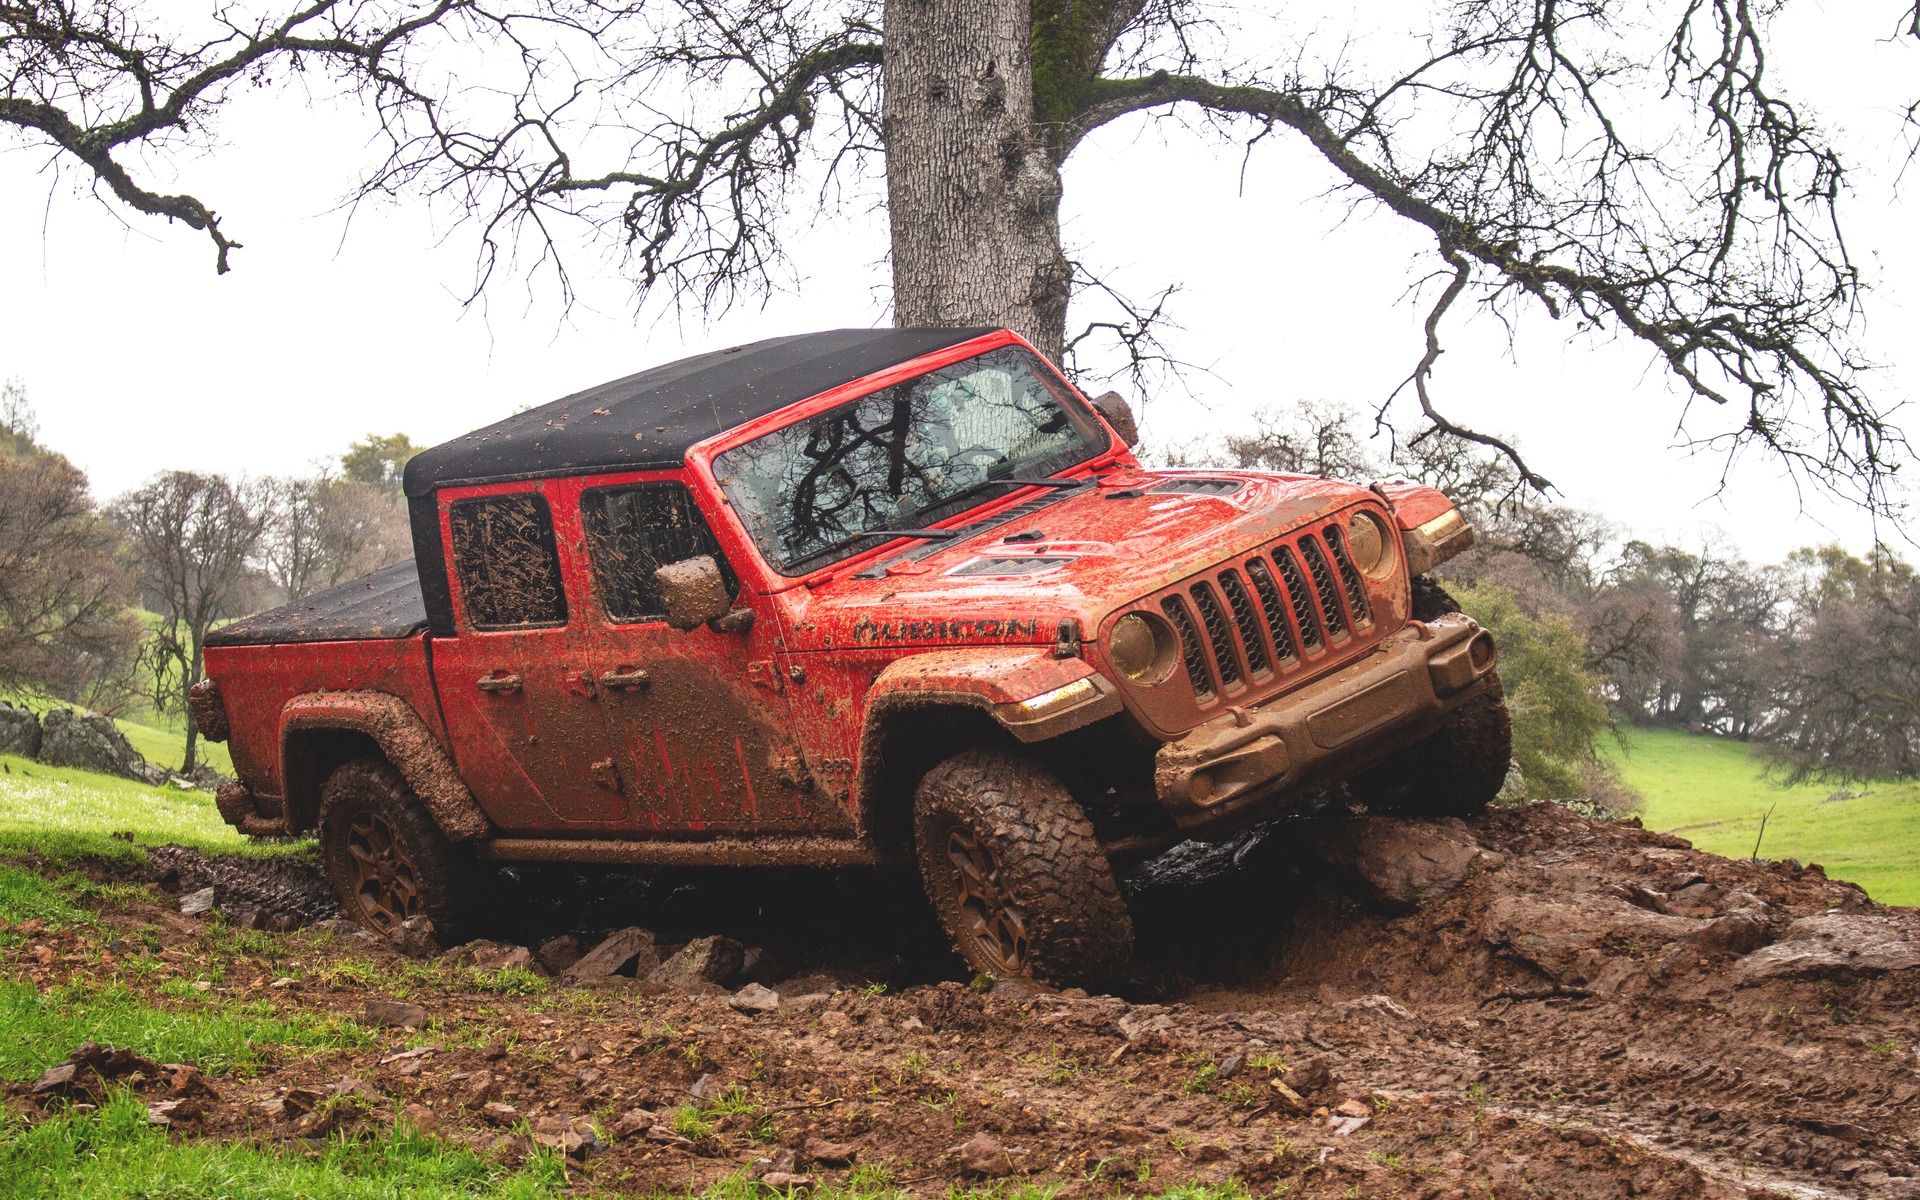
{"x": 636, "y": 678}
{"x": 498, "y": 683}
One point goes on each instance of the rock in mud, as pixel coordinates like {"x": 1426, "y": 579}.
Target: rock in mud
{"x": 19, "y": 731}
{"x": 197, "y": 904}
{"x": 1740, "y": 932}
{"x": 415, "y": 938}
{"x": 557, "y": 955}
{"x": 707, "y": 960}
{"x": 784, "y": 1181}
{"x": 1397, "y": 864}
{"x": 631, "y": 1122}
{"x": 497, "y": 1113}
{"x": 829, "y": 1154}
{"x": 1571, "y": 938}
{"x": 754, "y": 998}
{"x": 423, "y": 1119}
{"x": 981, "y": 1154}
{"x": 394, "y": 1014}
{"x": 630, "y": 945}
{"x": 487, "y": 955}
{"x": 1836, "y": 942}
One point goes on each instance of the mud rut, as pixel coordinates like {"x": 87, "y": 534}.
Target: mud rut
{"x": 1597, "y": 1010}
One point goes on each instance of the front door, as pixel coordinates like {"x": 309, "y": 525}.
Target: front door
{"x": 699, "y": 717}
{"x": 516, "y": 682}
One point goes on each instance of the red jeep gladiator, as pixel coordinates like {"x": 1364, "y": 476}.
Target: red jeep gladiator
{"x": 857, "y": 597}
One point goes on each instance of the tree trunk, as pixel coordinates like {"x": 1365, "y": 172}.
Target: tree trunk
{"x": 972, "y": 194}
{"x": 191, "y": 676}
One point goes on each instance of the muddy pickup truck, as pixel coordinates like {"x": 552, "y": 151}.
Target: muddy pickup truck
{"x": 856, "y": 597}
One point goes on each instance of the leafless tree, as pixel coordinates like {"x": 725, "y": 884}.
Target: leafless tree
{"x": 1625, "y": 166}
{"x": 325, "y": 532}
{"x": 65, "y": 621}
{"x": 192, "y": 541}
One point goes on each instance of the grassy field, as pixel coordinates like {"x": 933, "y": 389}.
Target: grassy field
{"x": 1709, "y": 791}
{"x": 58, "y": 812}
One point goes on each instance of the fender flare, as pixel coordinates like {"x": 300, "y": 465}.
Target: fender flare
{"x": 1006, "y": 681}
{"x": 402, "y": 736}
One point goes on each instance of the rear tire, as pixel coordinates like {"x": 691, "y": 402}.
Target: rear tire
{"x": 383, "y": 854}
{"x": 1015, "y": 872}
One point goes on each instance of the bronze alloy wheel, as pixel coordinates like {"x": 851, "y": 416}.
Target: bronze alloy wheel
{"x": 996, "y": 925}
{"x": 1015, "y": 872}
{"x": 386, "y": 883}
{"x": 386, "y": 858}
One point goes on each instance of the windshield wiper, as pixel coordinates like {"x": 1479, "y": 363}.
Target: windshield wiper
{"x": 843, "y": 543}
{"x": 1016, "y": 480}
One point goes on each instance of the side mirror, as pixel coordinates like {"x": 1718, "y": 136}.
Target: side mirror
{"x": 695, "y": 594}
{"x": 1115, "y": 410}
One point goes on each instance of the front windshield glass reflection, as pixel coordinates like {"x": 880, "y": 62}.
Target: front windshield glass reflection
{"x": 904, "y": 456}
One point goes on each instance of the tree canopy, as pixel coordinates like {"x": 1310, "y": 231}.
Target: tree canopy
{"x": 1626, "y": 166}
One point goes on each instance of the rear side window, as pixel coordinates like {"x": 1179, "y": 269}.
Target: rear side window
{"x": 504, "y": 555}
{"x": 633, "y": 531}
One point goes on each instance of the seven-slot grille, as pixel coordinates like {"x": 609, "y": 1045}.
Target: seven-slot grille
{"x": 1269, "y": 612}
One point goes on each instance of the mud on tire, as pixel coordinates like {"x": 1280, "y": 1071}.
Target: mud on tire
{"x": 1015, "y": 872}
{"x": 383, "y": 854}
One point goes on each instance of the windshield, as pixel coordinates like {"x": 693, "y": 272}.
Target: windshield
{"x": 904, "y": 456}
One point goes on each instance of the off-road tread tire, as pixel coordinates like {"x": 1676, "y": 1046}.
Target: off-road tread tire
{"x": 1078, "y": 930}
{"x": 445, "y": 871}
{"x": 1430, "y": 600}
{"x": 1456, "y": 771}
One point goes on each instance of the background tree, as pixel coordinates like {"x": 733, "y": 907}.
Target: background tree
{"x": 325, "y": 532}
{"x": 378, "y": 460}
{"x": 192, "y": 540}
{"x": 1626, "y": 164}
{"x": 65, "y": 625}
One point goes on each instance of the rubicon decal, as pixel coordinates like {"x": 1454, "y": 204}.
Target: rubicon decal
{"x": 921, "y": 631}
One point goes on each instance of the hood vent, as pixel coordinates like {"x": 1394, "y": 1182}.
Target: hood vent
{"x": 1200, "y": 487}
{"x": 1029, "y": 565}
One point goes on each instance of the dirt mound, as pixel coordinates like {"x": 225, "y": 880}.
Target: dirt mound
{"x": 1530, "y": 1004}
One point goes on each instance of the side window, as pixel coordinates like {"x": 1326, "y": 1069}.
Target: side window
{"x": 504, "y": 555}
{"x": 634, "y": 530}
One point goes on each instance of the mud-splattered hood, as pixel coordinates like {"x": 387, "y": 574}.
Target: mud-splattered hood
{"x": 1080, "y": 556}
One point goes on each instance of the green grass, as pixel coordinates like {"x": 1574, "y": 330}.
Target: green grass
{"x": 62, "y": 813}
{"x": 39, "y": 1029}
{"x": 166, "y": 743}
{"x": 1709, "y": 791}
{"x": 113, "y": 1154}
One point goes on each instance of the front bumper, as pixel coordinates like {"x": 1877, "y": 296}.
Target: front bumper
{"x": 1328, "y": 730}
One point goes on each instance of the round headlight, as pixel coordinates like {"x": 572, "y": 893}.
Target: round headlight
{"x": 1141, "y": 649}
{"x": 1371, "y": 545}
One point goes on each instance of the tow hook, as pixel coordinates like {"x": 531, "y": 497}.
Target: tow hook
{"x": 1066, "y": 640}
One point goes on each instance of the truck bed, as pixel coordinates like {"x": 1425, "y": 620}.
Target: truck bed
{"x": 382, "y": 606}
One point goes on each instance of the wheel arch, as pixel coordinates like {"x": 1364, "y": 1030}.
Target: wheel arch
{"x": 926, "y": 708}
{"x": 322, "y": 730}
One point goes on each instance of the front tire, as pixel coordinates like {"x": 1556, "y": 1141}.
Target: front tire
{"x": 385, "y": 857}
{"x": 1015, "y": 871}
{"x": 1455, "y": 771}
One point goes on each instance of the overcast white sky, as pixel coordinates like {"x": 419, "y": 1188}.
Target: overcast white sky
{"x": 139, "y": 358}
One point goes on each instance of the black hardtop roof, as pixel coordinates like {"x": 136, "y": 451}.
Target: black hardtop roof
{"x": 648, "y": 420}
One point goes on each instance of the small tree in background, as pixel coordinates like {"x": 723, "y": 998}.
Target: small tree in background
{"x": 378, "y": 459}
{"x": 192, "y": 541}
{"x": 327, "y": 531}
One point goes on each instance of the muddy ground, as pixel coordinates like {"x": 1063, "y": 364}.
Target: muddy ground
{"x": 1594, "y": 1010}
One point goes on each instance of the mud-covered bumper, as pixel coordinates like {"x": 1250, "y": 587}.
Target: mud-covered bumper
{"x": 1330, "y": 728}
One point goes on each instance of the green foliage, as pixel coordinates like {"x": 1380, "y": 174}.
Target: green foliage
{"x": 39, "y": 1029}
{"x": 114, "y": 1153}
{"x": 378, "y": 459}
{"x": 1558, "y": 714}
{"x": 1712, "y": 791}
